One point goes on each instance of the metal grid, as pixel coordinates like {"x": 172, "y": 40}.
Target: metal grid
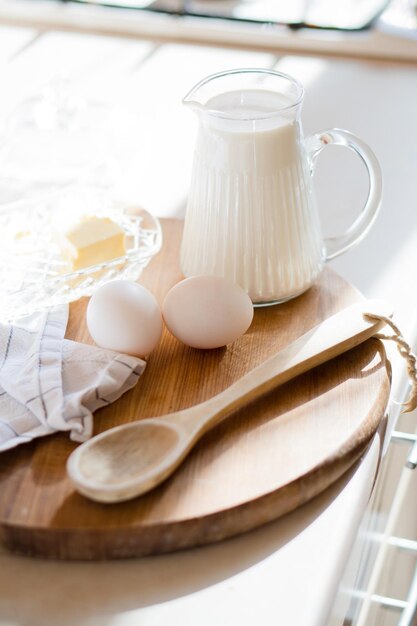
{"x": 406, "y": 609}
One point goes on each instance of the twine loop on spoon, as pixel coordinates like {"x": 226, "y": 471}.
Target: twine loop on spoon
{"x": 407, "y": 354}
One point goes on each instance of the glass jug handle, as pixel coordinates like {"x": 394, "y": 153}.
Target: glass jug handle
{"x": 355, "y": 233}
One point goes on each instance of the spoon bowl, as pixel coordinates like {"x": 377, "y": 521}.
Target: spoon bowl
{"x": 126, "y": 461}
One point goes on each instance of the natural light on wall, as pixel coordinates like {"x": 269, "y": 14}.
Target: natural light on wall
{"x": 306, "y": 70}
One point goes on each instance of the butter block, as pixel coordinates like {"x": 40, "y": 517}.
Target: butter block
{"x": 93, "y": 240}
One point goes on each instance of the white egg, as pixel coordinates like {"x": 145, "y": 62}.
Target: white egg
{"x": 207, "y": 311}
{"x": 125, "y": 317}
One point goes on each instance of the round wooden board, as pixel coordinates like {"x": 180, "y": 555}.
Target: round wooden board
{"x": 262, "y": 462}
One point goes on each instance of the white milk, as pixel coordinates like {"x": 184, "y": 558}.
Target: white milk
{"x": 251, "y": 215}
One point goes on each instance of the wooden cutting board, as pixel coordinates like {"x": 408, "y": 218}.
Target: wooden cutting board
{"x": 266, "y": 460}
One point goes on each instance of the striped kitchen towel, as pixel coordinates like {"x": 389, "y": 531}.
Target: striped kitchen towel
{"x": 48, "y": 383}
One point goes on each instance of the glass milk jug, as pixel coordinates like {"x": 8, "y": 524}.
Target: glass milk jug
{"x": 251, "y": 215}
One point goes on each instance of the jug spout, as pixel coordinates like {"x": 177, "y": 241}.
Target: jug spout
{"x": 194, "y": 105}
{"x": 196, "y": 98}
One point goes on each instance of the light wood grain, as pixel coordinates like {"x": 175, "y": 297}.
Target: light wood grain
{"x": 271, "y": 457}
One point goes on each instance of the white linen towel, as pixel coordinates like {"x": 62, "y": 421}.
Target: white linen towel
{"x": 48, "y": 383}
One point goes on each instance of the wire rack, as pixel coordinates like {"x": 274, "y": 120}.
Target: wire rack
{"x": 384, "y": 545}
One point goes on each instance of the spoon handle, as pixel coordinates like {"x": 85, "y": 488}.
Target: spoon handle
{"x": 335, "y": 335}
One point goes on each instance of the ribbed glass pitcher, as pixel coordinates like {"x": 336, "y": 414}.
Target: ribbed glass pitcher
{"x": 251, "y": 213}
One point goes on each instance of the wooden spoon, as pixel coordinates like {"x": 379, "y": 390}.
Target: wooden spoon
{"x": 129, "y": 460}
